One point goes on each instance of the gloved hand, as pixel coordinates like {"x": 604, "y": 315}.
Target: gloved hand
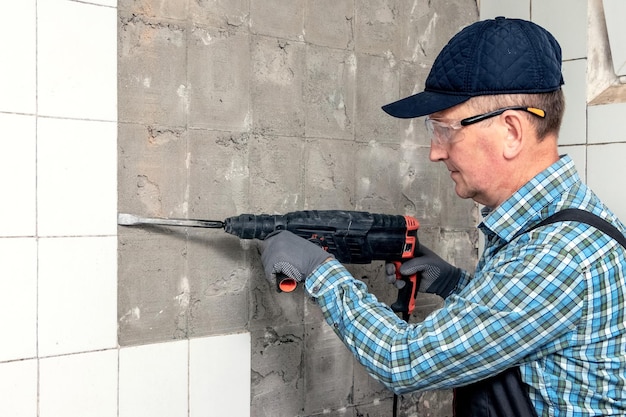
{"x": 437, "y": 276}
{"x": 288, "y": 254}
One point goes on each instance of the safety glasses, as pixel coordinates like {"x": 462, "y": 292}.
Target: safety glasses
{"x": 444, "y": 133}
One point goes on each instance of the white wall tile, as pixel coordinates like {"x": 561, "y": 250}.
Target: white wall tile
{"x": 77, "y": 60}
{"x": 17, "y": 174}
{"x": 219, "y": 376}
{"x": 574, "y": 127}
{"x": 154, "y": 380}
{"x": 567, "y": 21}
{"x": 603, "y": 126}
{"x": 79, "y": 385}
{"x": 18, "y": 389}
{"x": 605, "y": 171}
{"x": 490, "y": 9}
{"x": 18, "y": 310}
{"x": 76, "y": 177}
{"x": 18, "y": 53}
{"x": 77, "y": 294}
{"x": 60, "y": 60}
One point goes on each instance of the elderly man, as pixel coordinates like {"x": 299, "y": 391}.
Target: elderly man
{"x": 539, "y": 328}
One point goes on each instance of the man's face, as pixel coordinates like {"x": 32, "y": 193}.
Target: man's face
{"x": 471, "y": 153}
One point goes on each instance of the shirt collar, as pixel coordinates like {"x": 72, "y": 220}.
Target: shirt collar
{"x": 526, "y": 204}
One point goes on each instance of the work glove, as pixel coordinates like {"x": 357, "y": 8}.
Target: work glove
{"x": 288, "y": 254}
{"x": 437, "y": 276}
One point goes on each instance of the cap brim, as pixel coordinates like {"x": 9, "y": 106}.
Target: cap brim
{"x": 422, "y": 104}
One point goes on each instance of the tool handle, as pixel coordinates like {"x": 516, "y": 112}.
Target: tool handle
{"x": 405, "y": 303}
{"x": 285, "y": 283}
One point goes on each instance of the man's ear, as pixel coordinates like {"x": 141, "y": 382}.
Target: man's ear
{"x": 514, "y": 139}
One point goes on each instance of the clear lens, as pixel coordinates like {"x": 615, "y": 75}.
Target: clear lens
{"x": 440, "y": 132}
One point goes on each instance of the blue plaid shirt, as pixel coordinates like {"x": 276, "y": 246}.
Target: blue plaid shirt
{"x": 553, "y": 302}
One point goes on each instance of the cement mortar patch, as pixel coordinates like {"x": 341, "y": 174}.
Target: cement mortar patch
{"x": 152, "y": 174}
{"x": 219, "y": 175}
{"x": 219, "y": 79}
{"x": 328, "y": 371}
{"x": 270, "y": 308}
{"x": 277, "y": 86}
{"x": 371, "y": 394}
{"x": 224, "y": 14}
{"x": 435, "y": 23}
{"x": 329, "y": 175}
{"x": 377, "y": 79}
{"x": 378, "y": 186}
{"x": 152, "y": 56}
{"x": 277, "y": 386}
{"x": 219, "y": 274}
{"x": 377, "y": 26}
{"x": 281, "y": 19}
{"x": 330, "y": 23}
{"x": 276, "y": 177}
{"x": 417, "y": 32}
{"x": 172, "y": 9}
{"x": 151, "y": 275}
{"x": 329, "y": 93}
{"x": 373, "y": 408}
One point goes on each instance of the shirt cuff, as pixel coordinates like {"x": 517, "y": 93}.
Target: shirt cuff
{"x": 327, "y": 276}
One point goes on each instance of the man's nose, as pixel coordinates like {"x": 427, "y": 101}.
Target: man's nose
{"x": 437, "y": 152}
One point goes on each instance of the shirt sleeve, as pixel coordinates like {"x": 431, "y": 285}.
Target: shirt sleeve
{"x": 491, "y": 323}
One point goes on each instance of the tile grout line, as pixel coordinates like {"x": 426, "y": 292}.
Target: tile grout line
{"x": 38, "y": 408}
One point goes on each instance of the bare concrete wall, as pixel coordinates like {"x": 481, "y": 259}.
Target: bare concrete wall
{"x": 233, "y": 106}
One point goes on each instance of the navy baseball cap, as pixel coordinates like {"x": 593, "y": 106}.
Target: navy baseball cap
{"x": 496, "y": 56}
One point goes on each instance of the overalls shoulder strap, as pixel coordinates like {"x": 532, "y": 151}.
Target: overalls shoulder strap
{"x": 582, "y": 216}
